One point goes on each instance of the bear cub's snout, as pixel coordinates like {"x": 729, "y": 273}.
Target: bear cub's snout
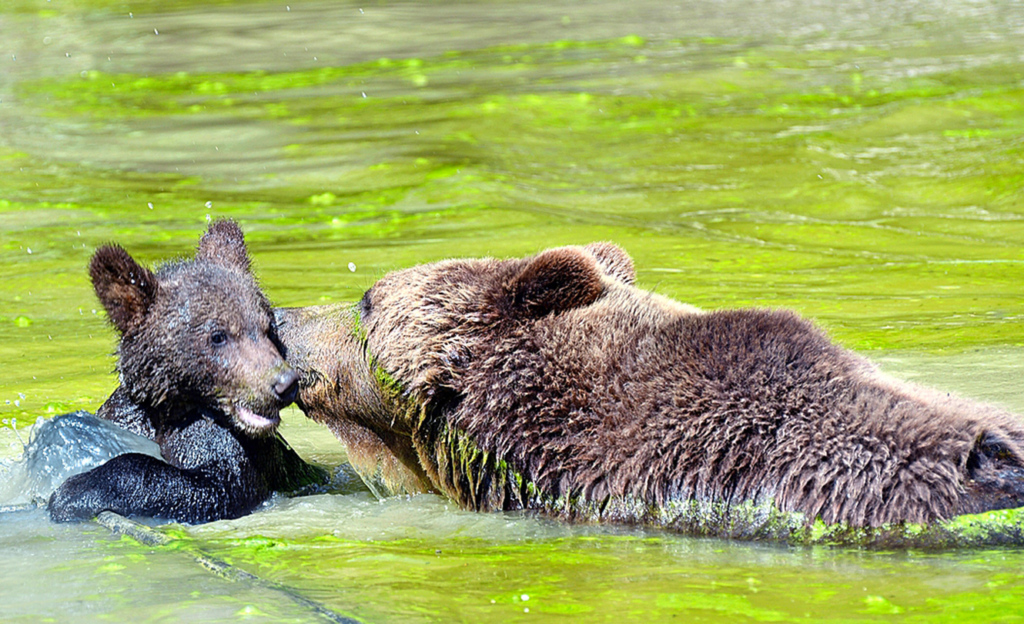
{"x": 286, "y": 386}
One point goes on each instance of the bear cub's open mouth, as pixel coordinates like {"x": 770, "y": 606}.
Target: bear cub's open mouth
{"x": 249, "y": 419}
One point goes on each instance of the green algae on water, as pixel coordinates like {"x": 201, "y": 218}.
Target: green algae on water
{"x": 887, "y": 209}
{"x": 860, "y": 166}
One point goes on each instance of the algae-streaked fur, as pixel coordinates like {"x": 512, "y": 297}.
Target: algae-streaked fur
{"x": 553, "y": 383}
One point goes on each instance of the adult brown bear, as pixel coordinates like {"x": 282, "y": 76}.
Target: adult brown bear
{"x": 553, "y": 383}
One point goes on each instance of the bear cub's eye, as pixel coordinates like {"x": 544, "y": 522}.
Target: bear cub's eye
{"x": 219, "y": 338}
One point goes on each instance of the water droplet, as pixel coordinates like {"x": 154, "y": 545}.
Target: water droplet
{"x": 209, "y": 204}
{"x": 150, "y": 204}
{"x": 156, "y": 32}
{"x": 352, "y": 266}
{"x": 17, "y": 403}
{"x": 524, "y": 597}
{"x": 30, "y": 251}
{"x": 364, "y": 93}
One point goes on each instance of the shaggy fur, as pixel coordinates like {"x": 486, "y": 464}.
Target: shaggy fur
{"x": 553, "y": 383}
{"x": 202, "y": 374}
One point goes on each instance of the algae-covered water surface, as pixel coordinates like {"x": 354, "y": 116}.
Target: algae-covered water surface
{"x": 860, "y": 162}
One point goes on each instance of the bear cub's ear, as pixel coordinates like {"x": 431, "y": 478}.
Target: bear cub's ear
{"x": 224, "y": 244}
{"x": 125, "y": 289}
{"x": 556, "y": 280}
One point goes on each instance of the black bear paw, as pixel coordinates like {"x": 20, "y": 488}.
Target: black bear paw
{"x": 75, "y": 501}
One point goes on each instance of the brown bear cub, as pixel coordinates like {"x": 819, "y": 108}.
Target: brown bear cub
{"x": 553, "y": 383}
{"x": 202, "y": 374}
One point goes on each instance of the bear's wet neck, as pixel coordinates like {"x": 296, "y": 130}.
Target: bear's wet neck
{"x": 121, "y": 410}
{"x": 379, "y": 448}
{"x": 153, "y": 421}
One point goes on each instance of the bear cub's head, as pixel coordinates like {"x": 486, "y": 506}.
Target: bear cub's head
{"x": 197, "y": 333}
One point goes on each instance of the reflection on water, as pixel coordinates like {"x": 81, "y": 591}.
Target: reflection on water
{"x": 858, "y": 161}
{"x": 81, "y": 573}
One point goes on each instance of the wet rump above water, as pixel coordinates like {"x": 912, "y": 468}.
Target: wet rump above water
{"x": 63, "y": 447}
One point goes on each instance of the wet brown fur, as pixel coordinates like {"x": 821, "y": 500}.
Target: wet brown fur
{"x": 591, "y": 390}
{"x": 203, "y": 374}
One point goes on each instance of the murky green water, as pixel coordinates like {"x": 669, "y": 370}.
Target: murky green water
{"x": 859, "y": 162}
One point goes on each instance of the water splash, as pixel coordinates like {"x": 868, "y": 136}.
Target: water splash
{"x": 61, "y": 447}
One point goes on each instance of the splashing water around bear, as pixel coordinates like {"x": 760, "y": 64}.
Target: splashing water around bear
{"x": 60, "y": 448}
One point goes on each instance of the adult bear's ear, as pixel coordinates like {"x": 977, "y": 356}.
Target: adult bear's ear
{"x": 125, "y": 288}
{"x": 556, "y": 280}
{"x": 224, "y": 244}
{"x": 614, "y": 260}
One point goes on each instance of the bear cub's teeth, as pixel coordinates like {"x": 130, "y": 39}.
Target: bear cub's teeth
{"x": 253, "y": 421}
